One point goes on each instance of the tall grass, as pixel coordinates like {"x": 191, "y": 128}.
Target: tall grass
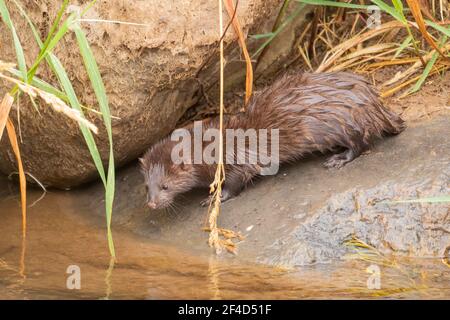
{"x": 433, "y": 58}
{"x": 437, "y": 199}
{"x": 60, "y": 28}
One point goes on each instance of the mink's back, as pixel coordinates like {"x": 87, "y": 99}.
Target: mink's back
{"x": 313, "y": 112}
{"x": 319, "y": 112}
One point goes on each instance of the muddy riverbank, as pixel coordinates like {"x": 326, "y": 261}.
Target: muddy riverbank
{"x": 62, "y": 234}
{"x": 304, "y": 214}
{"x": 296, "y": 226}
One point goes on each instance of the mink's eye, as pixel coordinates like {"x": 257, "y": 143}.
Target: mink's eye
{"x": 165, "y": 187}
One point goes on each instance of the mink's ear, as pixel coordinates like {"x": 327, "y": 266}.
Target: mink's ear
{"x": 181, "y": 166}
{"x": 186, "y": 166}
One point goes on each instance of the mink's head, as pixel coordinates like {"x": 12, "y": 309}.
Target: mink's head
{"x": 164, "y": 179}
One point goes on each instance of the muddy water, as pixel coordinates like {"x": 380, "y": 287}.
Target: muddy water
{"x": 61, "y": 234}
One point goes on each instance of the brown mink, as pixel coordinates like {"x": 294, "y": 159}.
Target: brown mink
{"x": 337, "y": 112}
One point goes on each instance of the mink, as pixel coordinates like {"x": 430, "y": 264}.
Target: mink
{"x": 338, "y": 112}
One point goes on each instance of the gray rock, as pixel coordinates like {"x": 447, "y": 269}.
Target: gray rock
{"x": 305, "y": 216}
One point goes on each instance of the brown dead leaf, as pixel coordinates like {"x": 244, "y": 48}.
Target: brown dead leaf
{"x": 23, "y": 182}
{"x": 425, "y": 7}
{"x": 417, "y": 14}
{"x": 339, "y": 50}
{"x": 249, "y": 68}
{"x": 5, "y": 106}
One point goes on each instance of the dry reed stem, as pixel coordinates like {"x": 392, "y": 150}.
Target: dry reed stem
{"x": 15, "y": 146}
{"x": 216, "y": 185}
{"x": 371, "y": 255}
{"x": 355, "y": 58}
{"x": 391, "y": 62}
{"x": 417, "y": 14}
{"x": 56, "y": 103}
{"x": 339, "y": 50}
{"x": 5, "y": 107}
{"x": 305, "y": 57}
{"x": 369, "y": 50}
{"x": 336, "y": 60}
{"x": 214, "y": 240}
{"x": 23, "y": 190}
{"x": 238, "y": 30}
{"x": 362, "y": 62}
{"x": 6, "y": 66}
{"x": 391, "y": 91}
{"x": 411, "y": 70}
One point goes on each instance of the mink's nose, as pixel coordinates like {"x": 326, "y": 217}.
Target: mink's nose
{"x": 151, "y": 205}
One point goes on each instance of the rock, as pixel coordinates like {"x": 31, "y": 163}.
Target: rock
{"x": 149, "y": 74}
{"x": 421, "y": 164}
{"x": 415, "y": 229}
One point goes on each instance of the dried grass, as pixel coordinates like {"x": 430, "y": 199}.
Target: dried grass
{"x": 366, "y": 252}
{"x": 56, "y": 103}
{"x": 220, "y": 238}
{"x": 355, "y": 47}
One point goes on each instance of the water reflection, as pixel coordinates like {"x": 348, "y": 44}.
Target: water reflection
{"x": 58, "y": 236}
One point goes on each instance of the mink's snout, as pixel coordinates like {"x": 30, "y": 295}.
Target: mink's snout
{"x": 152, "y": 205}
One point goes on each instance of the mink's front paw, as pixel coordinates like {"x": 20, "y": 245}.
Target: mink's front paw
{"x": 225, "y": 197}
{"x": 205, "y": 202}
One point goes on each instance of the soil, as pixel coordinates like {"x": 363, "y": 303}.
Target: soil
{"x": 432, "y": 99}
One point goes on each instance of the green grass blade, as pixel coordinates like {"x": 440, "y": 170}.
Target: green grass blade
{"x": 390, "y": 10}
{"x": 36, "y": 81}
{"x": 71, "y": 96}
{"x": 94, "y": 76}
{"x": 52, "y": 44}
{"x": 55, "y": 35}
{"x": 439, "y": 28}
{"x": 427, "y": 69}
{"x": 89, "y": 6}
{"x": 73, "y": 100}
{"x": 41, "y": 84}
{"x": 398, "y": 5}
{"x": 439, "y": 199}
{"x": 18, "y": 49}
{"x": 55, "y": 25}
{"x": 100, "y": 93}
{"x": 27, "y": 18}
{"x": 261, "y": 35}
{"x": 334, "y": 4}
{"x": 403, "y": 46}
{"x": 425, "y": 73}
{"x": 17, "y": 46}
{"x": 281, "y": 27}
{"x": 45, "y": 86}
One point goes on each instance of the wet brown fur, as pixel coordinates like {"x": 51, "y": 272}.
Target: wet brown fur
{"x": 325, "y": 112}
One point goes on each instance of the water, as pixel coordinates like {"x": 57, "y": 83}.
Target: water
{"x": 61, "y": 234}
